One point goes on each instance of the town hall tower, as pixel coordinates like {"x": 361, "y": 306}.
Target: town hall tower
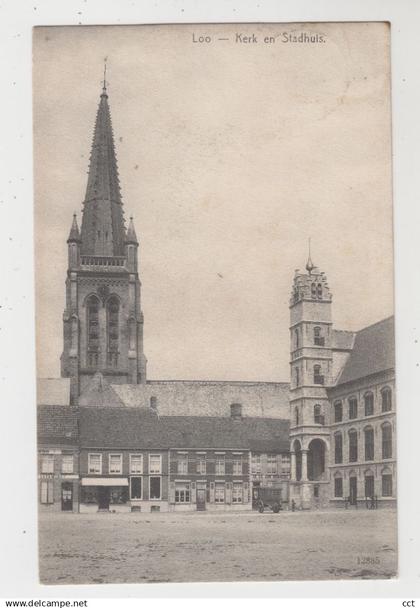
{"x": 311, "y": 342}
{"x": 102, "y": 321}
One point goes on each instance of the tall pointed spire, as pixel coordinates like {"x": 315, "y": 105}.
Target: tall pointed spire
{"x": 103, "y": 230}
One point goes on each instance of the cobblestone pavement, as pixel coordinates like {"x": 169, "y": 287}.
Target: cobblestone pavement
{"x": 246, "y": 546}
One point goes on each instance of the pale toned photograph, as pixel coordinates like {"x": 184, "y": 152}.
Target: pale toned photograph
{"x": 214, "y": 303}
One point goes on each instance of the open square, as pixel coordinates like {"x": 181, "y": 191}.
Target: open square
{"x": 246, "y": 546}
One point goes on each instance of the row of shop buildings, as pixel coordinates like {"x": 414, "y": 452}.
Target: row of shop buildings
{"x": 132, "y": 459}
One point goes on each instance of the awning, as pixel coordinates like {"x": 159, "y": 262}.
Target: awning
{"x": 104, "y": 481}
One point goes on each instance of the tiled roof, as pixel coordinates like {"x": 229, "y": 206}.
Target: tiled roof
{"x": 53, "y": 391}
{"x": 57, "y": 425}
{"x": 373, "y": 352}
{"x": 198, "y": 398}
{"x": 343, "y": 340}
{"x": 108, "y": 427}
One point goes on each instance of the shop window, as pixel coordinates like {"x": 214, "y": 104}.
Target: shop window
{"x": 155, "y": 488}
{"x": 182, "y": 492}
{"x": 95, "y": 464}
{"x": 47, "y": 491}
{"x": 155, "y": 463}
{"x": 136, "y": 463}
{"x": 118, "y": 496}
{"x": 136, "y": 488}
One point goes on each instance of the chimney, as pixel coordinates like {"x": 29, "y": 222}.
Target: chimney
{"x": 236, "y": 411}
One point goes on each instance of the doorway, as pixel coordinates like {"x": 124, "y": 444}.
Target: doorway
{"x": 66, "y": 496}
{"x": 201, "y": 499}
{"x": 103, "y": 498}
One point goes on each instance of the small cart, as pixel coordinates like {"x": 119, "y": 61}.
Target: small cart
{"x": 269, "y": 498}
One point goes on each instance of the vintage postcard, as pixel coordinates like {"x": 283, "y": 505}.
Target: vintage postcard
{"x": 214, "y": 290}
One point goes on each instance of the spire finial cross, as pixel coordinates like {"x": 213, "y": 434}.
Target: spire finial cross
{"x": 104, "y": 81}
{"x": 309, "y": 263}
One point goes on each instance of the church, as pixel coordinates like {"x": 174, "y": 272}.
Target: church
{"x": 110, "y": 439}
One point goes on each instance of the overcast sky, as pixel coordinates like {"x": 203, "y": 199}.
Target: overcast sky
{"x": 230, "y": 155}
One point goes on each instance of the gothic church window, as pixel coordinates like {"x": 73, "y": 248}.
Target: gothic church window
{"x": 93, "y": 331}
{"x": 113, "y": 310}
{"x": 296, "y": 416}
{"x": 386, "y": 398}
{"x": 313, "y": 290}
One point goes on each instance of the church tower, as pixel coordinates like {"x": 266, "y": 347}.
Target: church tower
{"x": 102, "y": 321}
{"x": 311, "y": 338}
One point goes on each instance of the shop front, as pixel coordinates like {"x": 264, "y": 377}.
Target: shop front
{"x": 104, "y": 494}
